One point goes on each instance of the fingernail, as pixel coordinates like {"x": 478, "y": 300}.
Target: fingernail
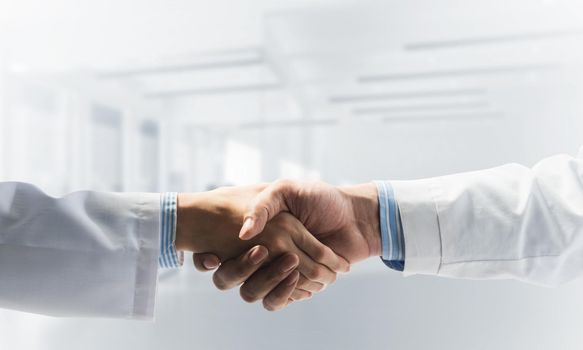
{"x": 293, "y": 278}
{"x": 257, "y": 255}
{"x": 290, "y": 262}
{"x": 210, "y": 264}
{"x": 247, "y": 225}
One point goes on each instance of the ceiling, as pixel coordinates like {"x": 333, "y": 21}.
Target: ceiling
{"x": 390, "y": 60}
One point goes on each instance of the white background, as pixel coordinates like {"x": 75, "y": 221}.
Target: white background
{"x": 190, "y": 95}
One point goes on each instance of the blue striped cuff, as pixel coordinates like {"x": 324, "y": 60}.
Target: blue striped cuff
{"x": 169, "y": 257}
{"x": 392, "y": 240}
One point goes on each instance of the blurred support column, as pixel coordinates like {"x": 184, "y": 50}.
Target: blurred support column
{"x": 3, "y": 116}
{"x": 218, "y": 157}
{"x": 165, "y": 148}
{"x": 272, "y": 148}
{"x": 74, "y": 141}
{"x": 62, "y": 148}
{"x": 579, "y": 110}
{"x": 128, "y": 163}
{"x": 194, "y": 140}
{"x": 285, "y": 71}
{"x": 80, "y": 142}
{"x": 173, "y": 151}
{"x": 207, "y": 158}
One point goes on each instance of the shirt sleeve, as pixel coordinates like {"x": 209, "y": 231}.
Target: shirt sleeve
{"x": 95, "y": 254}
{"x": 392, "y": 241}
{"x": 508, "y": 222}
{"x": 169, "y": 257}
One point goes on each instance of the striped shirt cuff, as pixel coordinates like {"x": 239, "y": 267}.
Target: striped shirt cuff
{"x": 169, "y": 257}
{"x": 392, "y": 240}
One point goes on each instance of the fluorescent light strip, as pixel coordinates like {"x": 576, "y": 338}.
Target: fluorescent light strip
{"x": 406, "y": 95}
{"x": 445, "y": 44}
{"x": 466, "y": 117}
{"x": 268, "y": 124}
{"x": 213, "y": 90}
{"x": 453, "y": 73}
{"x": 290, "y": 123}
{"x": 421, "y": 107}
{"x": 179, "y": 68}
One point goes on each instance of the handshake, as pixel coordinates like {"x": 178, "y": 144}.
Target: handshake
{"x": 282, "y": 242}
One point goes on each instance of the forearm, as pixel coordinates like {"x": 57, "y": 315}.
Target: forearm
{"x": 363, "y": 199}
{"x": 94, "y": 253}
{"x": 207, "y": 220}
{"x": 505, "y": 222}
{"x": 211, "y": 221}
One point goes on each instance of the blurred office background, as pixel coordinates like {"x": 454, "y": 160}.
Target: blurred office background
{"x": 190, "y": 95}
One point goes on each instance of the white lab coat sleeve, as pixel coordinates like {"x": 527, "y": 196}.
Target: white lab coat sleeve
{"x": 509, "y": 222}
{"x": 87, "y": 254}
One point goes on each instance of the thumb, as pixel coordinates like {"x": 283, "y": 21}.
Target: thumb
{"x": 265, "y": 206}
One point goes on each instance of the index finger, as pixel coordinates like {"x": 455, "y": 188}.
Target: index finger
{"x": 266, "y": 205}
{"x": 204, "y": 262}
{"x": 233, "y": 272}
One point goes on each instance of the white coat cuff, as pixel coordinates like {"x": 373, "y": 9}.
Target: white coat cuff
{"x": 147, "y": 211}
{"x": 416, "y": 201}
{"x": 169, "y": 256}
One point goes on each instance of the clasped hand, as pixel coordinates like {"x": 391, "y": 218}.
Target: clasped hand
{"x": 280, "y": 242}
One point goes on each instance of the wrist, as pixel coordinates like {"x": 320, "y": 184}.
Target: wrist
{"x": 365, "y": 206}
{"x": 189, "y": 211}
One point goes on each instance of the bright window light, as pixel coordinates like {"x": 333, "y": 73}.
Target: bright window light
{"x": 296, "y": 171}
{"x": 242, "y": 164}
